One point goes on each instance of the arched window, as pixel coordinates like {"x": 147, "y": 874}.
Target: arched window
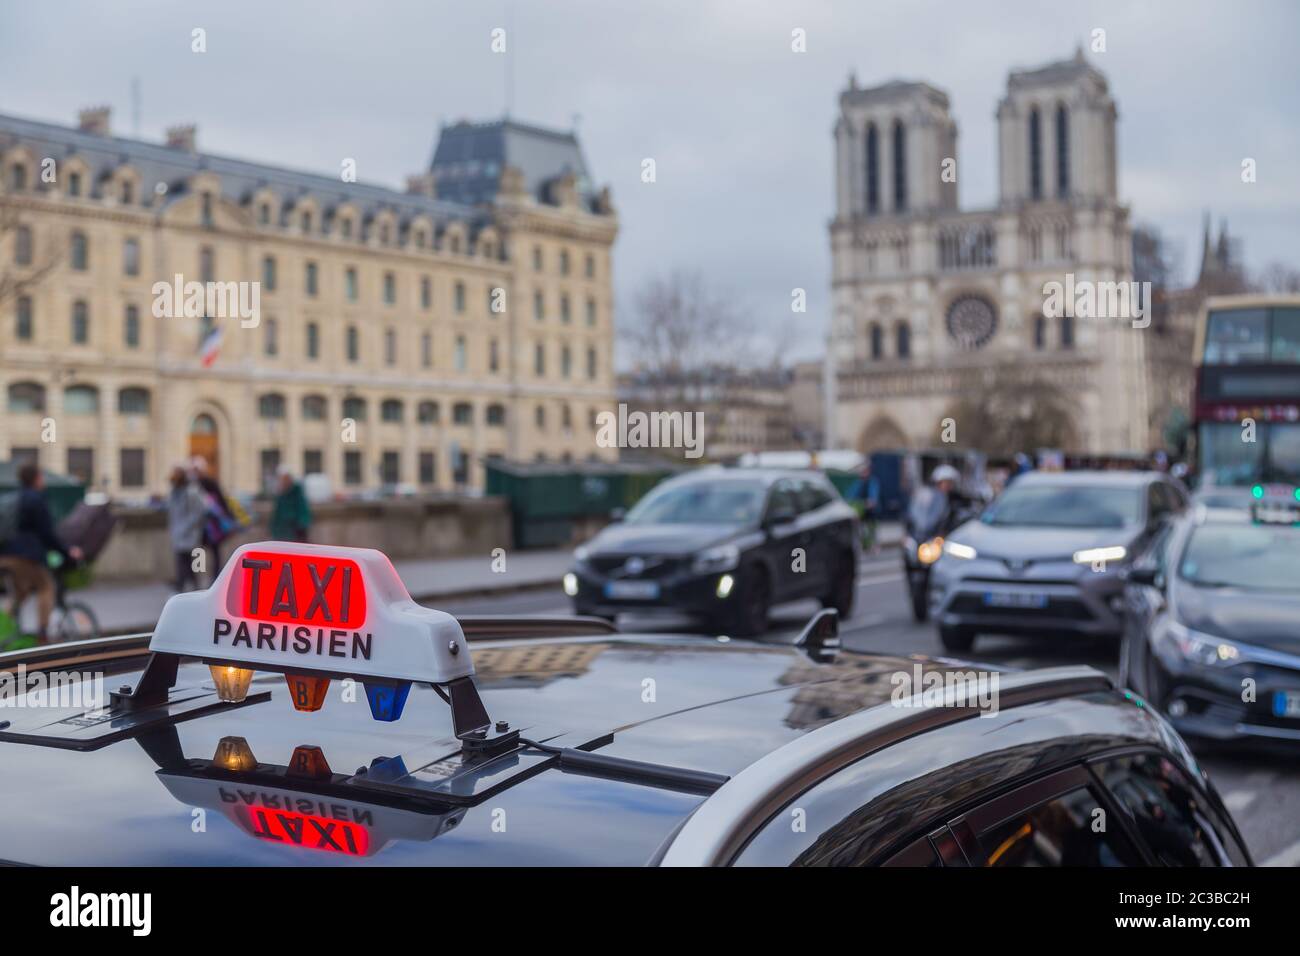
{"x": 1062, "y": 151}
{"x": 1067, "y": 331}
{"x": 900, "y": 166}
{"x": 26, "y": 397}
{"x": 496, "y": 415}
{"x": 203, "y": 424}
{"x": 390, "y": 410}
{"x": 1035, "y": 155}
{"x": 462, "y": 413}
{"x": 133, "y": 401}
{"x": 79, "y": 251}
{"x": 426, "y": 413}
{"x": 270, "y": 405}
{"x": 314, "y": 408}
{"x": 354, "y": 408}
{"x": 1040, "y": 332}
{"x": 81, "y": 400}
{"x": 903, "y": 340}
{"x": 877, "y": 342}
{"x": 873, "y": 170}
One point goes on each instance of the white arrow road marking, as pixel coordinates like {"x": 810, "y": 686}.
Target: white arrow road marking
{"x": 1239, "y": 800}
{"x": 1288, "y": 857}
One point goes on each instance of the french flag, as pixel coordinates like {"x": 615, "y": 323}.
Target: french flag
{"x": 210, "y": 346}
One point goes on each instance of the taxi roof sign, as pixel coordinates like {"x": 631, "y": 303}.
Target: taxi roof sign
{"x": 304, "y": 608}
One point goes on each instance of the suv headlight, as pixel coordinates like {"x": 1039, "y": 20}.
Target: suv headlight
{"x": 722, "y": 558}
{"x": 964, "y": 551}
{"x": 1201, "y": 648}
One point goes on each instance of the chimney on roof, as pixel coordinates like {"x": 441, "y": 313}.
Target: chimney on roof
{"x": 421, "y": 184}
{"x": 183, "y": 137}
{"x": 94, "y": 120}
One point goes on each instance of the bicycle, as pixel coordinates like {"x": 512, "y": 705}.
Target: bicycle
{"x": 71, "y": 620}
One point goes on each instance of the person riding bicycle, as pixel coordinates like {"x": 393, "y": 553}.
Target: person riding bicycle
{"x": 25, "y": 553}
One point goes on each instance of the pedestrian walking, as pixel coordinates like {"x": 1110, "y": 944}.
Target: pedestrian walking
{"x": 290, "y": 514}
{"x": 186, "y": 512}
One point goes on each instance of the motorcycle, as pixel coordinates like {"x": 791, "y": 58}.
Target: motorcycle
{"x": 930, "y": 517}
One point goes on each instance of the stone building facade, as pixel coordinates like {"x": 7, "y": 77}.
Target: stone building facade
{"x": 932, "y": 304}
{"x": 403, "y": 338}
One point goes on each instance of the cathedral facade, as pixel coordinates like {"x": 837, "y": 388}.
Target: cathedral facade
{"x": 934, "y": 307}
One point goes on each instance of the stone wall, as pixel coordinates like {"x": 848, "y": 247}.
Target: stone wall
{"x": 400, "y": 527}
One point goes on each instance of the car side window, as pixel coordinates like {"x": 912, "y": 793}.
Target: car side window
{"x": 1156, "y": 553}
{"x": 918, "y": 853}
{"x": 784, "y": 499}
{"x": 812, "y": 495}
{"x": 1157, "y": 504}
{"x": 1173, "y": 819}
{"x": 1058, "y": 832}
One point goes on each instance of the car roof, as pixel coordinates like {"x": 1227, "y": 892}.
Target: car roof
{"x": 1124, "y": 479}
{"x": 765, "y": 476}
{"x": 705, "y": 706}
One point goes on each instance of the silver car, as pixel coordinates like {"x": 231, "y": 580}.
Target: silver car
{"x": 1045, "y": 558}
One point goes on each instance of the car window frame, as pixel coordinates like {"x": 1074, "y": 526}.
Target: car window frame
{"x": 780, "y": 486}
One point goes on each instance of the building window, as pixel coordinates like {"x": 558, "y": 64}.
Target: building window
{"x": 390, "y": 468}
{"x": 350, "y": 282}
{"x": 564, "y": 309}
{"x": 271, "y": 337}
{"x": 539, "y": 359}
{"x": 426, "y": 413}
{"x": 873, "y": 170}
{"x": 18, "y": 177}
{"x": 130, "y": 468}
{"x": 80, "y": 323}
{"x": 460, "y": 297}
{"x": 81, "y": 465}
{"x": 313, "y": 461}
{"x": 426, "y": 349}
{"x": 314, "y": 408}
{"x": 900, "y": 166}
{"x": 26, "y": 397}
{"x": 345, "y": 227}
{"x": 271, "y": 406}
{"x": 312, "y": 279}
{"x": 462, "y": 359}
{"x": 428, "y": 468}
{"x": 390, "y": 410}
{"x": 352, "y": 468}
{"x": 539, "y": 417}
{"x": 355, "y": 409}
{"x": 390, "y": 288}
{"x": 128, "y": 192}
{"x": 564, "y": 262}
{"x": 207, "y": 264}
{"x": 313, "y": 340}
{"x": 23, "y": 246}
{"x": 462, "y": 413}
{"x": 353, "y": 344}
{"x": 1040, "y": 332}
{"x": 537, "y": 258}
{"x": 131, "y": 327}
{"x": 1067, "y": 331}
{"x": 539, "y": 306}
{"x": 206, "y": 211}
{"x": 306, "y": 222}
{"x": 131, "y": 257}
{"x": 496, "y": 415}
{"x": 590, "y": 267}
{"x": 264, "y": 214}
{"x": 566, "y": 361}
{"x": 390, "y": 346}
{"x": 591, "y": 363}
{"x": 268, "y": 273}
{"x": 23, "y": 319}
{"x": 74, "y": 184}
{"x": 494, "y": 356}
{"x": 877, "y": 342}
{"x": 81, "y": 400}
{"x": 903, "y": 340}
{"x": 566, "y": 418}
{"x": 1062, "y": 152}
{"x": 426, "y": 293}
{"x": 591, "y": 312}
{"x": 79, "y": 254}
{"x": 269, "y": 463}
{"x": 133, "y": 400}
{"x": 1035, "y": 155}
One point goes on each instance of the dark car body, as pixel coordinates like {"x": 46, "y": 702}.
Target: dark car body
{"x": 1223, "y": 662}
{"x": 803, "y": 542}
{"x": 1024, "y": 579}
{"x": 703, "y": 764}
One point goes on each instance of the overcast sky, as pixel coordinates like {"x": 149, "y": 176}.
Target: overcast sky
{"x": 739, "y": 126}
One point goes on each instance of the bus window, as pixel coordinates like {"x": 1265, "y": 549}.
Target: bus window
{"x": 1284, "y": 453}
{"x": 1237, "y": 336}
{"x": 1286, "y": 335}
{"x": 1225, "y": 458}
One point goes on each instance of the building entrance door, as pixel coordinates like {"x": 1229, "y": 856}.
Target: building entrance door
{"x": 205, "y": 443}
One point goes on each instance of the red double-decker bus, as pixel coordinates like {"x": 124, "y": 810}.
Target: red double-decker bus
{"x": 1246, "y": 408}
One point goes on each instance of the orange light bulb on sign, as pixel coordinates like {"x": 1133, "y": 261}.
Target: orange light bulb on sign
{"x": 232, "y": 682}
{"x": 307, "y": 692}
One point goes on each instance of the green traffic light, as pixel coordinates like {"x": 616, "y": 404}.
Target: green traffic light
{"x": 1257, "y": 491}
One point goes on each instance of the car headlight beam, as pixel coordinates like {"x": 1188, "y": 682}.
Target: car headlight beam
{"x": 956, "y": 550}
{"x": 1100, "y": 555}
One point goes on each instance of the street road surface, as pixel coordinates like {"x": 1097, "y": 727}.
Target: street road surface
{"x": 1262, "y": 792}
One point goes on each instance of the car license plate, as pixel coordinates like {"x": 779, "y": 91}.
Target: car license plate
{"x": 1286, "y": 703}
{"x": 1014, "y": 599}
{"x": 632, "y": 590}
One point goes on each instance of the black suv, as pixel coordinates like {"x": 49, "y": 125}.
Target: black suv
{"x": 723, "y": 545}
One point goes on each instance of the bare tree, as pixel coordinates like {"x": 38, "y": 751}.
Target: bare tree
{"x": 1277, "y": 277}
{"x": 1011, "y": 411}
